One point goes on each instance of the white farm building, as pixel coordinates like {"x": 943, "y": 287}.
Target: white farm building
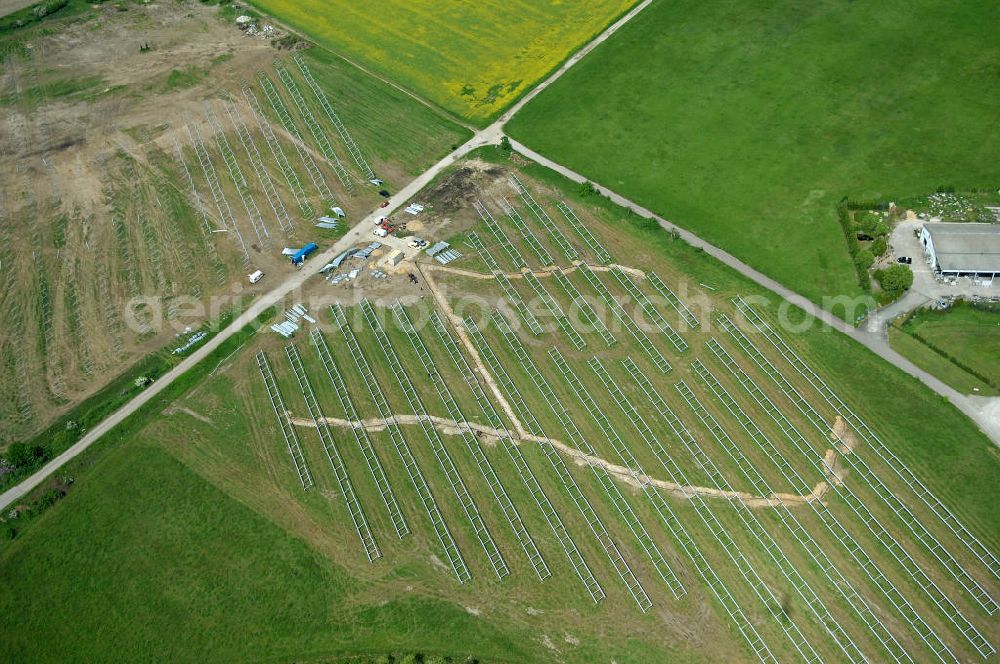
{"x": 963, "y": 249}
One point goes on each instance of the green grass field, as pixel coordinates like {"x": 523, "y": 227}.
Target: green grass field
{"x": 960, "y": 345}
{"x": 189, "y": 537}
{"x": 747, "y": 122}
{"x": 157, "y": 563}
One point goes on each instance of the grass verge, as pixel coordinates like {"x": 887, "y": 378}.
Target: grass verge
{"x": 960, "y": 345}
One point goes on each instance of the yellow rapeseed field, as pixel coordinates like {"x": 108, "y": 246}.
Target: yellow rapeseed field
{"x": 472, "y": 57}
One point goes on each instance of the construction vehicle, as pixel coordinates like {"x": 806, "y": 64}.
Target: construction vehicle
{"x": 384, "y": 227}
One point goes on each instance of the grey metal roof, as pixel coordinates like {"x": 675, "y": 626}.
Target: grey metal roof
{"x": 437, "y": 248}
{"x": 966, "y": 247}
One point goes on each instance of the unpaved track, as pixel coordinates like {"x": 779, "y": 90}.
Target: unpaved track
{"x": 623, "y": 474}
{"x": 985, "y": 414}
{"x": 541, "y": 273}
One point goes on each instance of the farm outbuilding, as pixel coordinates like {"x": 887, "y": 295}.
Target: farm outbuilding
{"x": 962, "y": 249}
{"x": 395, "y": 258}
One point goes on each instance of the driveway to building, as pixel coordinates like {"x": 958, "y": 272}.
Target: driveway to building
{"x": 927, "y": 288}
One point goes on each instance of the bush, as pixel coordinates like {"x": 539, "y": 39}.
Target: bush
{"x": 879, "y": 247}
{"x": 22, "y": 455}
{"x": 868, "y": 223}
{"x": 894, "y": 279}
{"x": 853, "y": 248}
{"x": 505, "y": 143}
{"x": 864, "y": 205}
{"x": 863, "y": 260}
{"x": 286, "y": 43}
{"x": 50, "y": 498}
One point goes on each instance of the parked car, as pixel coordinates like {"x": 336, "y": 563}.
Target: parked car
{"x": 906, "y": 260}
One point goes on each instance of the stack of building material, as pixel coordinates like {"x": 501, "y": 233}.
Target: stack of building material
{"x": 285, "y": 329}
{"x": 447, "y": 256}
{"x": 395, "y": 258}
{"x": 291, "y": 322}
{"x": 192, "y": 340}
{"x": 367, "y": 251}
{"x": 437, "y": 248}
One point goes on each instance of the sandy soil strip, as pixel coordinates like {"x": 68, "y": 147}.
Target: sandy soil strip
{"x": 481, "y": 369}
{"x": 189, "y": 412}
{"x": 623, "y": 474}
{"x": 833, "y": 473}
{"x": 540, "y": 273}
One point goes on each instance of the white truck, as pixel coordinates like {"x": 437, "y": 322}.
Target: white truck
{"x": 256, "y": 276}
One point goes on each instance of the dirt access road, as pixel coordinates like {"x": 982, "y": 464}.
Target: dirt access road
{"x": 926, "y": 286}
{"x": 987, "y": 415}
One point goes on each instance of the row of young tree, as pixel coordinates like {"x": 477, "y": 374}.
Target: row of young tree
{"x": 866, "y": 226}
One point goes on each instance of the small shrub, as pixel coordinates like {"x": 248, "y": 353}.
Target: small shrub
{"x": 50, "y": 498}
{"x": 863, "y": 260}
{"x": 22, "y": 455}
{"x": 894, "y": 279}
{"x": 879, "y": 246}
{"x": 288, "y": 42}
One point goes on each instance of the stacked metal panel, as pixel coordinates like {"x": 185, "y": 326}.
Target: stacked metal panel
{"x": 367, "y": 251}
{"x": 447, "y": 256}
